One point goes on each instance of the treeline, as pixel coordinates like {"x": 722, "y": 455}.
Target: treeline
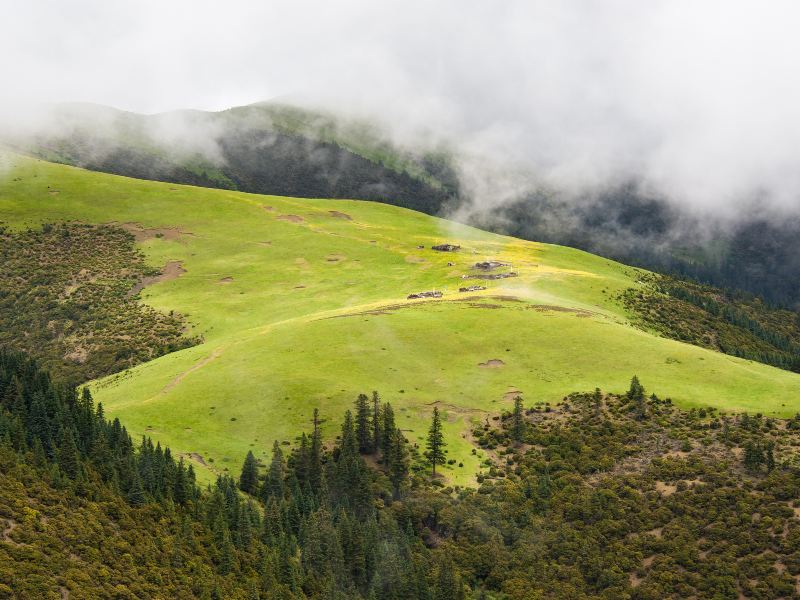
{"x": 735, "y": 323}
{"x": 66, "y": 432}
{"x": 319, "y": 523}
{"x": 597, "y": 496}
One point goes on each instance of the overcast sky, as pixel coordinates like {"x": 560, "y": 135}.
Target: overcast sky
{"x": 701, "y": 100}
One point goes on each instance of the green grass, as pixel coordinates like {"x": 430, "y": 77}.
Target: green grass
{"x": 303, "y": 323}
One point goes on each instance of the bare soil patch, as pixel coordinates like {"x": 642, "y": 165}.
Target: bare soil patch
{"x": 172, "y": 270}
{"x": 340, "y": 215}
{"x": 141, "y": 234}
{"x": 291, "y": 218}
{"x": 198, "y": 458}
{"x": 665, "y": 489}
{"x": 563, "y": 309}
{"x": 79, "y": 355}
{"x": 492, "y": 363}
{"x": 226, "y": 280}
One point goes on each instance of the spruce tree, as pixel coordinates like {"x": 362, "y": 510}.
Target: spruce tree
{"x": 68, "y": 457}
{"x": 435, "y": 442}
{"x": 387, "y": 435}
{"x": 315, "y": 456}
{"x": 180, "y": 491}
{"x": 248, "y": 480}
{"x": 376, "y": 422}
{"x": 273, "y": 484}
{"x": 398, "y": 463}
{"x": 363, "y": 429}
{"x": 636, "y": 395}
{"x": 136, "y": 494}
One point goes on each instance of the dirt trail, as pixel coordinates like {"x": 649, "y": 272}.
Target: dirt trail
{"x": 214, "y": 355}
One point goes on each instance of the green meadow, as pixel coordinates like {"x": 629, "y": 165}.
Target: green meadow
{"x": 302, "y": 305}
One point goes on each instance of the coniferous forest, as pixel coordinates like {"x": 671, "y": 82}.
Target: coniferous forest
{"x": 601, "y": 495}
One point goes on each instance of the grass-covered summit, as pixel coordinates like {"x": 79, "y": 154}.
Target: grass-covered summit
{"x": 303, "y": 303}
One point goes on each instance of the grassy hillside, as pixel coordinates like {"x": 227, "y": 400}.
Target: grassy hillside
{"x": 302, "y": 303}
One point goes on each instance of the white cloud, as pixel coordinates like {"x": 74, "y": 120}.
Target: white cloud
{"x": 699, "y": 100}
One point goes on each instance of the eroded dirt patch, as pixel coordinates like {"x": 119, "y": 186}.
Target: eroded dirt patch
{"x": 290, "y": 218}
{"x": 563, "y": 309}
{"x": 172, "y": 270}
{"x": 226, "y": 280}
{"x": 492, "y": 363}
{"x": 141, "y": 234}
{"x": 340, "y": 215}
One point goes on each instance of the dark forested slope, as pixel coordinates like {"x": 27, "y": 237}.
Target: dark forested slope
{"x": 602, "y": 496}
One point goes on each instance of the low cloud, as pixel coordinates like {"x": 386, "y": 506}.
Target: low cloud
{"x": 695, "y": 102}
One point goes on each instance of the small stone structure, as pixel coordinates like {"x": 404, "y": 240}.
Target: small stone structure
{"x": 446, "y": 248}
{"x": 472, "y": 288}
{"x": 425, "y": 295}
{"x": 491, "y": 276}
{"x": 490, "y": 265}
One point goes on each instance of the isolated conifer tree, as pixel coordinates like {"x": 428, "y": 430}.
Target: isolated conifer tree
{"x": 636, "y": 395}
{"x": 517, "y": 421}
{"x": 435, "y": 442}
{"x": 363, "y": 430}
{"x": 248, "y": 480}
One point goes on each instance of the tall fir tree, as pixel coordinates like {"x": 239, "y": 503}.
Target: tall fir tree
{"x": 376, "y": 422}
{"x": 387, "y": 434}
{"x": 636, "y": 395}
{"x": 248, "y": 480}
{"x": 315, "y": 456}
{"x": 363, "y": 429}
{"x": 435, "y": 442}
{"x": 398, "y": 462}
{"x": 68, "y": 457}
{"x": 273, "y": 484}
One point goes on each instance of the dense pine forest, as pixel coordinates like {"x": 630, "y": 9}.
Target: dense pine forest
{"x": 600, "y": 496}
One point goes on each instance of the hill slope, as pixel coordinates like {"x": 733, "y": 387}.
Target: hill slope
{"x": 263, "y": 148}
{"x": 302, "y": 303}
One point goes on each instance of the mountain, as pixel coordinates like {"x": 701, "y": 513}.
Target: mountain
{"x": 264, "y": 148}
{"x": 304, "y": 303}
{"x": 277, "y": 148}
